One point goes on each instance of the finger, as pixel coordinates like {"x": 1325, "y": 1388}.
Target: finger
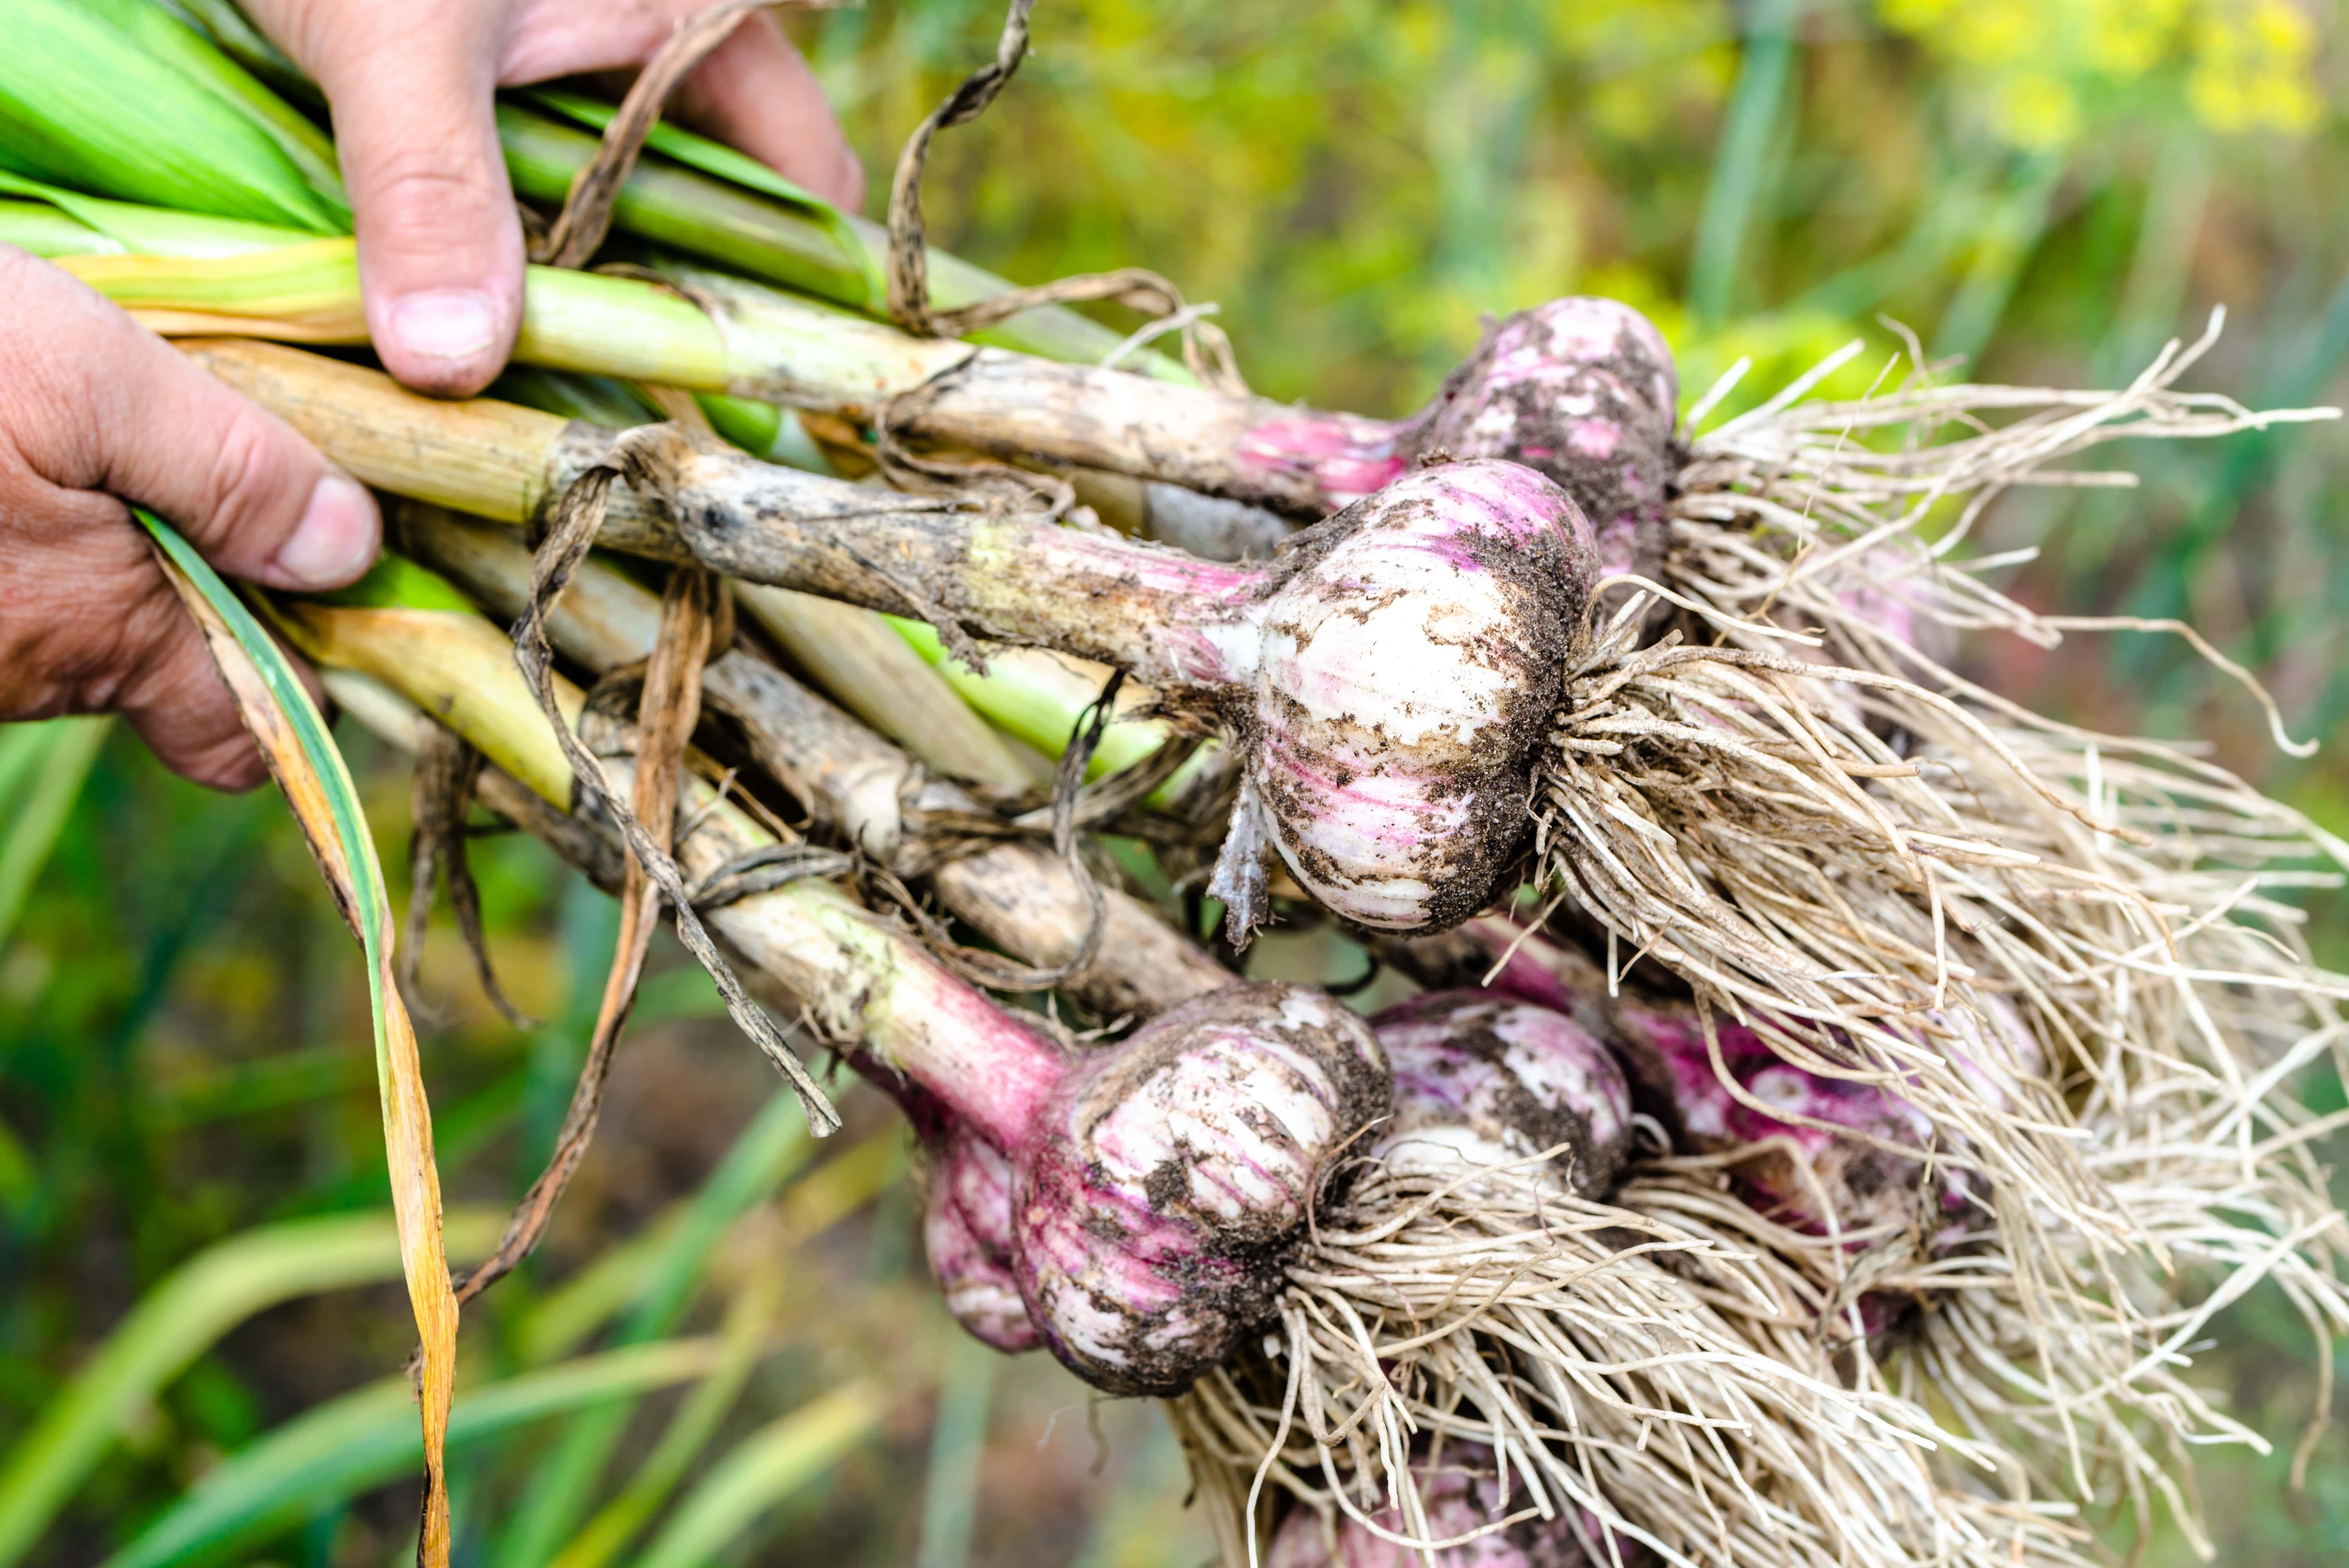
{"x": 757, "y": 94}
{"x": 181, "y": 708}
{"x": 96, "y": 402}
{"x": 88, "y": 624}
{"x": 440, "y": 251}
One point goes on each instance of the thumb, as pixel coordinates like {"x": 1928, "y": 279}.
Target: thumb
{"x": 90, "y": 401}
{"x": 440, "y": 251}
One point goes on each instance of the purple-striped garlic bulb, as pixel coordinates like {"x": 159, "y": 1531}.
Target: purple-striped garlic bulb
{"x": 966, "y": 1235}
{"x": 1156, "y": 1186}
{"x": 1461, "y": 1494}
{"x": 1400, "y": 681}
{"x": 1482, "y": 1078}
{"x": 1864, "y": 1187}
{"x": 1583, "y": 390}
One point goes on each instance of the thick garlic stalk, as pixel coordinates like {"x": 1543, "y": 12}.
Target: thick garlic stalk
{"x": 1392, "y": 674}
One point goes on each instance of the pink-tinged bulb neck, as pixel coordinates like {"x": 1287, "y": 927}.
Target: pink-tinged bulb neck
{"x": 1409, "y": 666}
{"x": 1345, "y": 456}
{"x": 1461, "y": 1493}
{"x": 966, "y": 1233}
{"x": 1164, "y": 1189}
{"x": 1584, "y": 391}
{"x": 1484, "y": 1079}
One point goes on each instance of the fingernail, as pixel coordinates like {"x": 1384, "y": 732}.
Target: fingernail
{"x": 445, "y": 324}
{"x": 334, "y": 540}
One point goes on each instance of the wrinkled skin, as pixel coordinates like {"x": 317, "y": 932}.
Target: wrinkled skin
{"x": 1461, "y": 1494}
{"x": 1482, "y": 1078}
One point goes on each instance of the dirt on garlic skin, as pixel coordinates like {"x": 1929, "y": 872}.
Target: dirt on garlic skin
{"x": 1482, "y": 1077}
{"x": 1170, "y": 1180}
{"x": 1410, "y": 667}
{"x": 1583, "y": 390}
{"x": 1461, "y": 1493}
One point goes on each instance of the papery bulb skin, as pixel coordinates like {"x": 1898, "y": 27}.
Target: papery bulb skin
{"x": 1170, "y": 1180}
{"x": 1583, "y": 390}
{"x": 1461, "y": 1494}
{"x": 1482, "y": 1078}
{"x": 966, "y": 1233}
{"x": 1409, "y": 667}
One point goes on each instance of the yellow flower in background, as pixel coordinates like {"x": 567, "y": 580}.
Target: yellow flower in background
{"x": 2127, "y": 38}
{"x": 2252, "y": 70}
{"x": 2038, "y": 70}
{"x": 2037, "y": 109}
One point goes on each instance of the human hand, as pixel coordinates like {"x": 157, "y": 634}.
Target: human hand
{"x": 440, "y": 249}
{"x": 95, "y": 410}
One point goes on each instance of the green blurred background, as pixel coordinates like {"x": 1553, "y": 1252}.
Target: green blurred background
{"x": 2050, "y": 187}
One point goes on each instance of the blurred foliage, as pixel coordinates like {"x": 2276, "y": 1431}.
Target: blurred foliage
{"x": 2054, "y": 187}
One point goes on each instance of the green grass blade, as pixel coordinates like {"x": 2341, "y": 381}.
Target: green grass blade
{"x": 82, "y": 104}
{"x": 688, "y": 1431}
{"x": 178, "y": 1321}
{"x": 2004, "y": 246}
{"x": 310, "y": 728}
{"x": 36, "y": 818}
{"x": 366, "y": 1438}
{"x": 295, "y": 1077}
{"x": 950, "y": 1492}
{"x": 310, "y": 772}
{"x": 24, "y": 748}
{"x": 1745, "y": 135}
{"x": 598, "y": 1292}
{"x": 563, "y": 1485}
{"x": 768, "y": 1467}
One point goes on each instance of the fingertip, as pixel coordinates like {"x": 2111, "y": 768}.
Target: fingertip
{"x": 204, "y": 742}
{"x": 334, "y": 543}
{"x": 451, "y": 342}
{"x": 234, "y": 767}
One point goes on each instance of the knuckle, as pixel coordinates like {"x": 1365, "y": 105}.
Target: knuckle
{"x": 433, "y": 190}
{"x": 247, "y": 479}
